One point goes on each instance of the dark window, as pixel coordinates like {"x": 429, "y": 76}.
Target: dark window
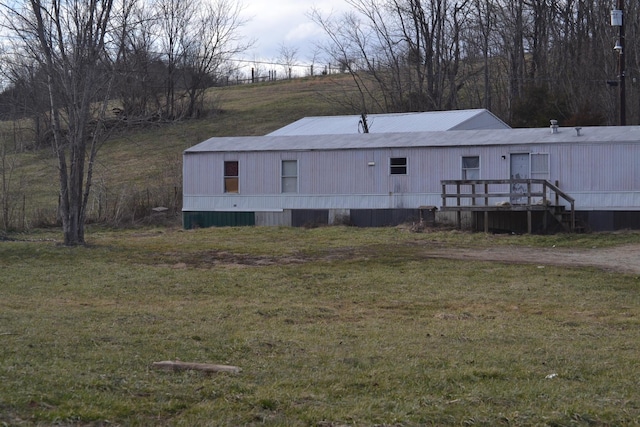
{"x": 231, "y": 177}
{"x": 398, "y": 166}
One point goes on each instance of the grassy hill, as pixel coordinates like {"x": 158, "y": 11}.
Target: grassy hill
{"x": 141, "y": 168}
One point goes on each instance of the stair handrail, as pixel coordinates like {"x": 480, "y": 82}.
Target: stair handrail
{"x": 572, "y": 202}
{"x": 483, "y": 183}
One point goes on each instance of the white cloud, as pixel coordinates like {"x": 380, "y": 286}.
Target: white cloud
{"x": 304, "y": 33}
{"x": 274, "y": 23}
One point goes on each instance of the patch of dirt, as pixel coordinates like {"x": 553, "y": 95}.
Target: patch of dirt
{"x": 624, "y": 259}
{"x": 212, "y": 258}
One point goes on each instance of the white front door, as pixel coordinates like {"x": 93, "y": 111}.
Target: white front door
{"x": 520, "y": 169}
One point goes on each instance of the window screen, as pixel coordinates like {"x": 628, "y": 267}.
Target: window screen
{"x": 289, "y": 176}
{"x": 540, "y": 165}
{"x": 471, "y": 167}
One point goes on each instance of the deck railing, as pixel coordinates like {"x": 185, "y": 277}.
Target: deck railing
{"x": 495, "y": 194}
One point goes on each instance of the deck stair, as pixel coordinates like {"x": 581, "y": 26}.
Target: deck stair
{"x": 563, "y": 217}
{"x": 515, "y": 195}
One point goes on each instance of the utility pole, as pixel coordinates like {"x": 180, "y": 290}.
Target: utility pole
{"x": 617, "y": 20}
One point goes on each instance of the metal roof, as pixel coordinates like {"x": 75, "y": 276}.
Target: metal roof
{"x": 396, "y": 122}
{"x": 457, "y": 138}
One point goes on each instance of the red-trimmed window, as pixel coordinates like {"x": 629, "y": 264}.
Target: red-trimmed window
{"x": 231, "y": 184}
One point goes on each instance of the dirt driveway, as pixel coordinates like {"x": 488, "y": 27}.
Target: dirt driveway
{"x": 625, "y": 259}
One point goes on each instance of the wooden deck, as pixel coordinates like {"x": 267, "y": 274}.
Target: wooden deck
{"x": 509, "y": 195}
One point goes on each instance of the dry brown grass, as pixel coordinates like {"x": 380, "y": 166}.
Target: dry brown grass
{"x": 331, "y": 326}
{"x": 145, "y": 163}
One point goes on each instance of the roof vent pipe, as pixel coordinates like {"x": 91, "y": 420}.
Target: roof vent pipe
{"x": 578, "y": 129}
{"x": 554, "y": 126}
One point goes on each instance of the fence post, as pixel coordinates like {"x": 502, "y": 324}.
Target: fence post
{"x": 486, "y": 192}
{"x": 473, "y": 196}
{"x": 444, "y": 195}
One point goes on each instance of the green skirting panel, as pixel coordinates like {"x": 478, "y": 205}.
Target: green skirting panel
{"x": 217, "y": 219}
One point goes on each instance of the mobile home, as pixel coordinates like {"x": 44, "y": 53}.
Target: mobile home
{"x": 495, "y": 179}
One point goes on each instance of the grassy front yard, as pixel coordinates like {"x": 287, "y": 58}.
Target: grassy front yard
{"x": 330, "y": 326}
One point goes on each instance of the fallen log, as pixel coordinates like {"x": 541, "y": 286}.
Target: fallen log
{"x": 177, "y": 365}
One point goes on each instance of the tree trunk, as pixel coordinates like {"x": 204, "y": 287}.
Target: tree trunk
{"x": 74, "y": 82}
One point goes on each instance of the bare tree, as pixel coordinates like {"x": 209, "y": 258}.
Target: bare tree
{"x": 196, "y": 39}
{"x": 632, "y": 23}
{"x": 11, "y": 113}
{"x": 287, "y": 57}
{"x": 208, "y": 48}
{"x": 140, "y": 69}
{"x": 410, "y": 49}
{"x": 8, "y": 169}
{"x": 68, "y": 41}
{"x": 24, "y": 97}
{"x": 347, "y": 41}
{"x": 175, "y": 20}
{"x": 480, "y": 48}
{"x": 512, "y": 34}
{"x": 313, "y": 60}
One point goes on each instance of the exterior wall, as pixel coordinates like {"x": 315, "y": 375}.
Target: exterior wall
{"x": 516, "y": 222}
{"x": 602, "y": 177}
{"x": 610, "y": 220}
{"x": 282, "y": 218}
{"x": 309, "y": 218}
{"x": 498, "y": 221}
{"x": 340, "y": 179}
{"x": 599, "y": 176}
{"x": 269, "y": 203}
{"x": 192, "y": 220}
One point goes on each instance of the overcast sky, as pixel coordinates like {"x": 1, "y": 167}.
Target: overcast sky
{"x": 275, "y": 22}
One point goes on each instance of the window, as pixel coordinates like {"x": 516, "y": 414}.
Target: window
{"x": 289, "y": 176}
{"x": 231, "y": 177}
{"x": 398, "y": 166}
{"x": 540, "y": 165}
{"x": 471, "y": 167}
